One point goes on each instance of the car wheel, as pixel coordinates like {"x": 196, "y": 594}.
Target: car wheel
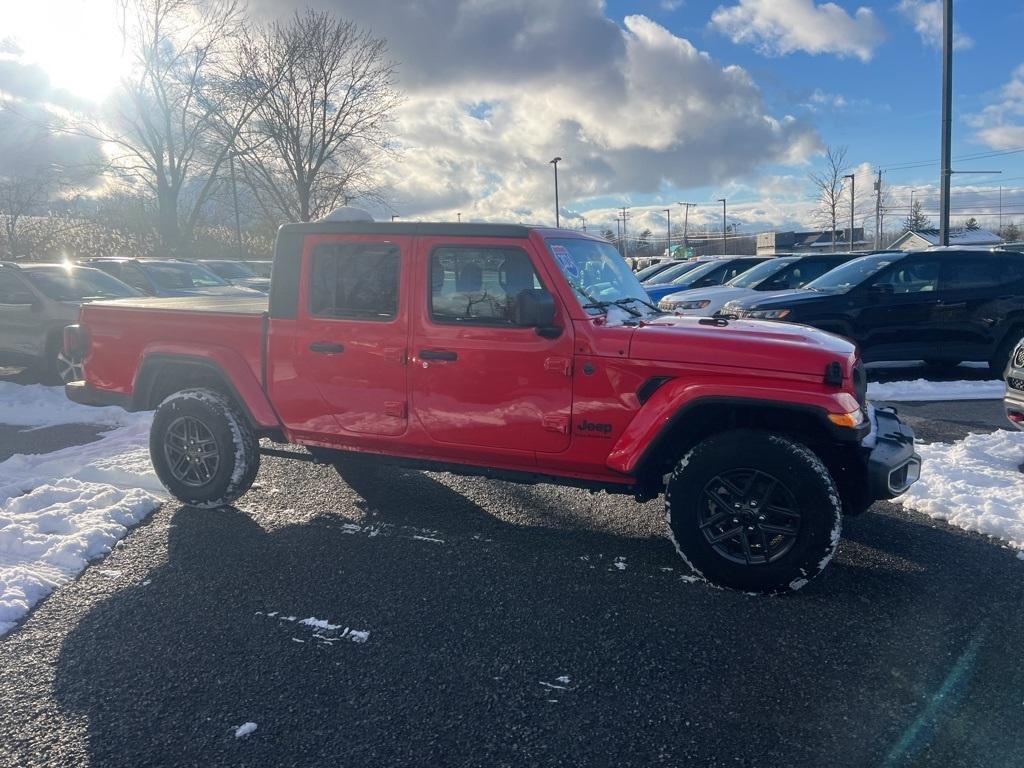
{"x": 204, "y": 449}
{"x": 753, "y": 511}
{"x": 1001, "y": 358}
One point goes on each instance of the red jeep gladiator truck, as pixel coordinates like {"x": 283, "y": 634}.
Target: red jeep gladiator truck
{"x": 512, "y": 352}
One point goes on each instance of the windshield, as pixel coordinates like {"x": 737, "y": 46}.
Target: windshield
{"x": 77, "y": 284}
{"x": 181, "y": 276}
{"x": 230, "y": 270}
{"x": 852, "y": 273}
{"x": 760, "y": 273}
{"x": 666, "y": 277}
{"x": 598, "y": 273}
{"x": 652, "y": 270}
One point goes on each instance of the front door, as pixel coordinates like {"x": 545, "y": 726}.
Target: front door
{"x": 21, "y": 331}
{"x": 477, "y": 379}
{"x": 350, "y": 339}
{"x": 896, "y": 321}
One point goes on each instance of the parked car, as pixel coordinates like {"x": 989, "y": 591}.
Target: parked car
{"x": 167, "y": 277}
{"x": 513, "y": 352}
{"x": 36, "y": 302}
{"x": 676, "y": 269}
{"x": 655, "y": 269}
{"x": 705, "y": 274}
{"x": 237, "y": 273}
{"x": 779, "y": 273}
{"x": 942, "y": 307}
{"x": 1014, "y": 400}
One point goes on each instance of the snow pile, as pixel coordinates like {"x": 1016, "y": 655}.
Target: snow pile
{"x": 59, "y": 510}
{"x": 974, "y": 484}
{"x": 245, "y": 729}
{"x": 922, "y": 389}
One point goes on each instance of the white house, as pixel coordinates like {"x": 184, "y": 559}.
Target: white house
{"x": 926, "y": 238}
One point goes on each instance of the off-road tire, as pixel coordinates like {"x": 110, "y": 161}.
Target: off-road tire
{"x": 215, "y": 417}
{"x": 796, "y": 470}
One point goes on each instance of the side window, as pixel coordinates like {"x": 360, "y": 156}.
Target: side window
{"x": 132, "y": 275}
{"x": 12, "y": 289}
{"x": 805, "y": 271}
{"x": 478, "y": 285}
{"x": 973, "y": 272}
{"x": 913, "y": 277}
{"x": 355, "y": 281}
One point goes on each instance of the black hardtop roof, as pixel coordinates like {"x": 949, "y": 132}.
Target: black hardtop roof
{"x": 427, "y": 229}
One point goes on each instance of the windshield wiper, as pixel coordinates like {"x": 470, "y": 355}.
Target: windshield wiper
{"x": 623, "y": 302}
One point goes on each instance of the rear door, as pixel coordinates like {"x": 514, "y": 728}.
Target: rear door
{"x": 969, "y": 312}
{"x": 477, "y": 380}
{"x": 20, "y": 323}
{"x": 349, "y": 340}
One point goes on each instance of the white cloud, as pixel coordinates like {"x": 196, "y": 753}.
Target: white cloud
{"x": 1001, "y": 124}
{"x": 926, "y": 16}
{"x": 779, "y": 27}
{"x": 496, "y": 89}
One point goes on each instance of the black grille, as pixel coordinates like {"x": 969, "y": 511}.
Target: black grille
{"x": 1016, "y": 382}
{"x": 1018, "y": 357}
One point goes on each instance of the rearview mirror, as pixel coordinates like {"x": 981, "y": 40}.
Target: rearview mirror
{"x": 534, "y": 308}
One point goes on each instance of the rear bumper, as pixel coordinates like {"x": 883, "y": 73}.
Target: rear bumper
{"x": 1014, "y": 399}
{"x": 893, "y": 465}
{"x": 81, "y": 393}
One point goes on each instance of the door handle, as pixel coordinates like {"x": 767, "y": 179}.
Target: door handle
{"x": 326, "y": 348}
{"x": 439, "y": 354}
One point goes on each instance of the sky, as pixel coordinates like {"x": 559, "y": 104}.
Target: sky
{"x": 648, "y": 103}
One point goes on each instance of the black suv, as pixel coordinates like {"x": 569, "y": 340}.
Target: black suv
{"x": 941, "y": 306}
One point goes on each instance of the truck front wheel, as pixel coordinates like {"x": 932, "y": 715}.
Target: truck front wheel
{"x": 753, "y": 511}
{"x": 203, "y": 448}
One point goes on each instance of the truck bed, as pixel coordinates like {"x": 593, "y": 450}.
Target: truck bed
{"x": 124, "y": 333}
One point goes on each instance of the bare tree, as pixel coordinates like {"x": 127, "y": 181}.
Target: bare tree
{"x": 176, "y": 116}
{"x": 317, "y": 137}
{"x": 829, "y": 190}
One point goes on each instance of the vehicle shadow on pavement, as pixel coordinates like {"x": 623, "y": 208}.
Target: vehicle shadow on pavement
{"x": 517, "y": 644}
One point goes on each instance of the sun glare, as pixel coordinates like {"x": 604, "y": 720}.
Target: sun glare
{"x": 76, "y": 42}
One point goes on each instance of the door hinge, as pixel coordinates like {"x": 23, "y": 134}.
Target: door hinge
{"x": 559, "y": 424}
{"x": 396, "y": 408}
{"x": 559, "y": 365}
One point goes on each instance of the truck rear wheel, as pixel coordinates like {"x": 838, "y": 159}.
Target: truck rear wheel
{"x": 203, "y": 448}
{"x": 753, "y": 511}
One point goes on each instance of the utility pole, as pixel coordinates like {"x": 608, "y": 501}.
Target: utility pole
{"x": 668, "y": 248}
{"x": 584, "y": 222}
{"x": 459, "y": 216}
{"x": 878, "y": 211}
{"x": 947, "y": 118}
{"x": 853, "y": 192}
{"x": 555, "y": 163}
{"x": 1000, "y": 230}
{"x": 686, "y": 221}
{"x": 625, "y": 241}
{"x": 722, "y": 201}
{"x": 234, "y": 196}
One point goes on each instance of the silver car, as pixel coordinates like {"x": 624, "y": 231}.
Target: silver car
{"x": 36, "y": 302}
{"x": 778, "y": 274}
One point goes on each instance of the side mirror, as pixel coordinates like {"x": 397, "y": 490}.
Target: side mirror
{"x": 535, "y": 308}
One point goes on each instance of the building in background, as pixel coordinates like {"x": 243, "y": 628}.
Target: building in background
{"x": 772, "y": 243}
{"x": 926, "y": 238}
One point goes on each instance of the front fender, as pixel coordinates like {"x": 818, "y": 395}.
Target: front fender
{"x": 676, "y": 398}
{"x": 228, "y": 363}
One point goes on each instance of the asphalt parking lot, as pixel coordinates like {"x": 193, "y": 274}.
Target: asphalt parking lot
{"x": 511, "y": 625}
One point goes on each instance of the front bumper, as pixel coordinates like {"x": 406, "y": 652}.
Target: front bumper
{"x": 1014, "y": 399}
{"x": 81, "y": 393}
{"x": 893, "y": 465}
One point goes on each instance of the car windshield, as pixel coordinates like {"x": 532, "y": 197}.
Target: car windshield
{"x": 652, "y": 270}
{"x": 230, "y": 270}
{"x": 77, "y": 284}
{"x": 599, "y": 274}
{"x": 757, "y": 275}
{"x": 852, "y": 273}
{"x": 701, "y": 271}
{"x": 181, "y": 275}
{"x": 669, "y": 275}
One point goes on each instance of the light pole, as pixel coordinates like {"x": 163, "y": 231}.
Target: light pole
{"x": 584, "y": 218}
{"x": 555, "y": 163}
{"x": 459, "y": 216}
{"x": 910, "y": 216}
{"x": 947, "y": 119}
{"x": 853, "y": 192}
{"x": 686, "y": 221}
{"x": 722, "y": 201}
{"x": 668, "y": 248}
{"x": 394, "y": 216}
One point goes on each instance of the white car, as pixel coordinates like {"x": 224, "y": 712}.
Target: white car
{"x": 779, "y": 274}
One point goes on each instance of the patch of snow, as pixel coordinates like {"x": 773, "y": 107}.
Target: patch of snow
{"x": 62, "y": 509}
{"x": 620, "y": 563}
{"x": 564, "y": 679}
{"x": 974, "y": 484}
{"x": 319, "y": 623}
{"x": 552, "y": 686}
{"x": 920, "y": 390}
{"x": 245, "y": 729}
